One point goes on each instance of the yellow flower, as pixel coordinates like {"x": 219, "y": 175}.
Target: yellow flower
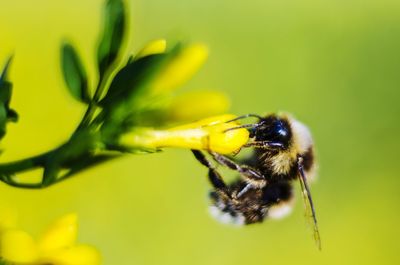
{"x": 197, "y": 105}
{"x": 207, "y": 134}
{"x": 153, "y": 47}
{"x": 158, "y": 107}
{"x": 56, "y": 246}
{"x": 144, "y": 87}
{"x": 179, "y": 70}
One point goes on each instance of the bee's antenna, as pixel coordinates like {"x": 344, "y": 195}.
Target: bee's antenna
{"x": 250, "y": 126}
{"x": 241, "y": 127}
{"x": 246, "y": 116}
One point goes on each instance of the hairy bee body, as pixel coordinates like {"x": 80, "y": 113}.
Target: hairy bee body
{"x": 254, "y": 205}
{"x": 280, "y": 162}
{"x": 282, "y": 152}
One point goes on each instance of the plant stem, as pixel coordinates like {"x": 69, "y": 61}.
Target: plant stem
{"x": 88, "y": 116}
{"x": 10, "y": 169}
{"x": 25, "y": 164}
{"x": 90, "y": 111}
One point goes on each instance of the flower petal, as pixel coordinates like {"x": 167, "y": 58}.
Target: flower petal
{"x": 17, "y": 246}
{"x": 206, "y": 134}
{"x": 62, "y": 233}
{"x": 197, "y": 105}
{"x": 77, "y": 255}
{"x": 181, "y": 68}
{"x": 226, "y": 142}
{"x": 153, "y": 47}
{"x": 207, "y": 122}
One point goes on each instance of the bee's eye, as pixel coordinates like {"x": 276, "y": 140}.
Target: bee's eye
{"x": 274, "y": 130}
{"x": 281, "y": 132}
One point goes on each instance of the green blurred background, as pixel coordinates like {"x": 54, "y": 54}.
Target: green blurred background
{"x": 333, "y": 64}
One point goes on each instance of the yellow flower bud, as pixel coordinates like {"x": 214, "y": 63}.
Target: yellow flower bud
{"x": 153, "y": 47}
{"x": 181, "y": 68}
{"x": 207, "y": 134}
{"x": 77, "y": 255}
{"x": 18, "y": 247}
{"x": 62, "y": 233}
{"x": 197, "y": 105}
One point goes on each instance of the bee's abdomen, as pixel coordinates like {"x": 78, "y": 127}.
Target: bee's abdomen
{"x": 276, "y": 192}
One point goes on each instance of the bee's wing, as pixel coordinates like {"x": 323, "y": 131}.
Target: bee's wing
{"x": 309, "y": 206}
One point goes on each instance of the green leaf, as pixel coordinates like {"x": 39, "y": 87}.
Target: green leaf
{"x": 3, "y": 121}
{"x": 133, "y": 80}
{"x": 5, "y": 85}
{"x": 74, "y": 73}
{"x": 130, "y": 91}
{"x": 3, "y": 76}
{"x": 5, "y": 91}
{"x": 113, "y": 35}
{"x": 130, "y": 78}
{"x": 6, "y": 114}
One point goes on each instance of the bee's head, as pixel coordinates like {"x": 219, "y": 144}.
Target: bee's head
{"x": 283, "y": 132}
{"x": 284, "y": 140}
{"x": 288, "y": 139}
{"x": 273, "y": 129}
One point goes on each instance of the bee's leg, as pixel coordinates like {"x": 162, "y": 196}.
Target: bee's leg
{"x": 250, "y": 175}
{"x": 213, "y": 176}
{"x": 252, "y": 127}
{"x": 264, "y": 144}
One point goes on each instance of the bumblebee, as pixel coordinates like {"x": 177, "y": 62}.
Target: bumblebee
{"x": 282, "y": 151}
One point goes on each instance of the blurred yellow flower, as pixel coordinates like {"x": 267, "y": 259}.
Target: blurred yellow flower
{"x": 207, "y": 134}
{"x": 197, "y": 105}
{"x": 181, "y": 68}
{"x": 56, "y": 246}
{"x": 153, "y": 47}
